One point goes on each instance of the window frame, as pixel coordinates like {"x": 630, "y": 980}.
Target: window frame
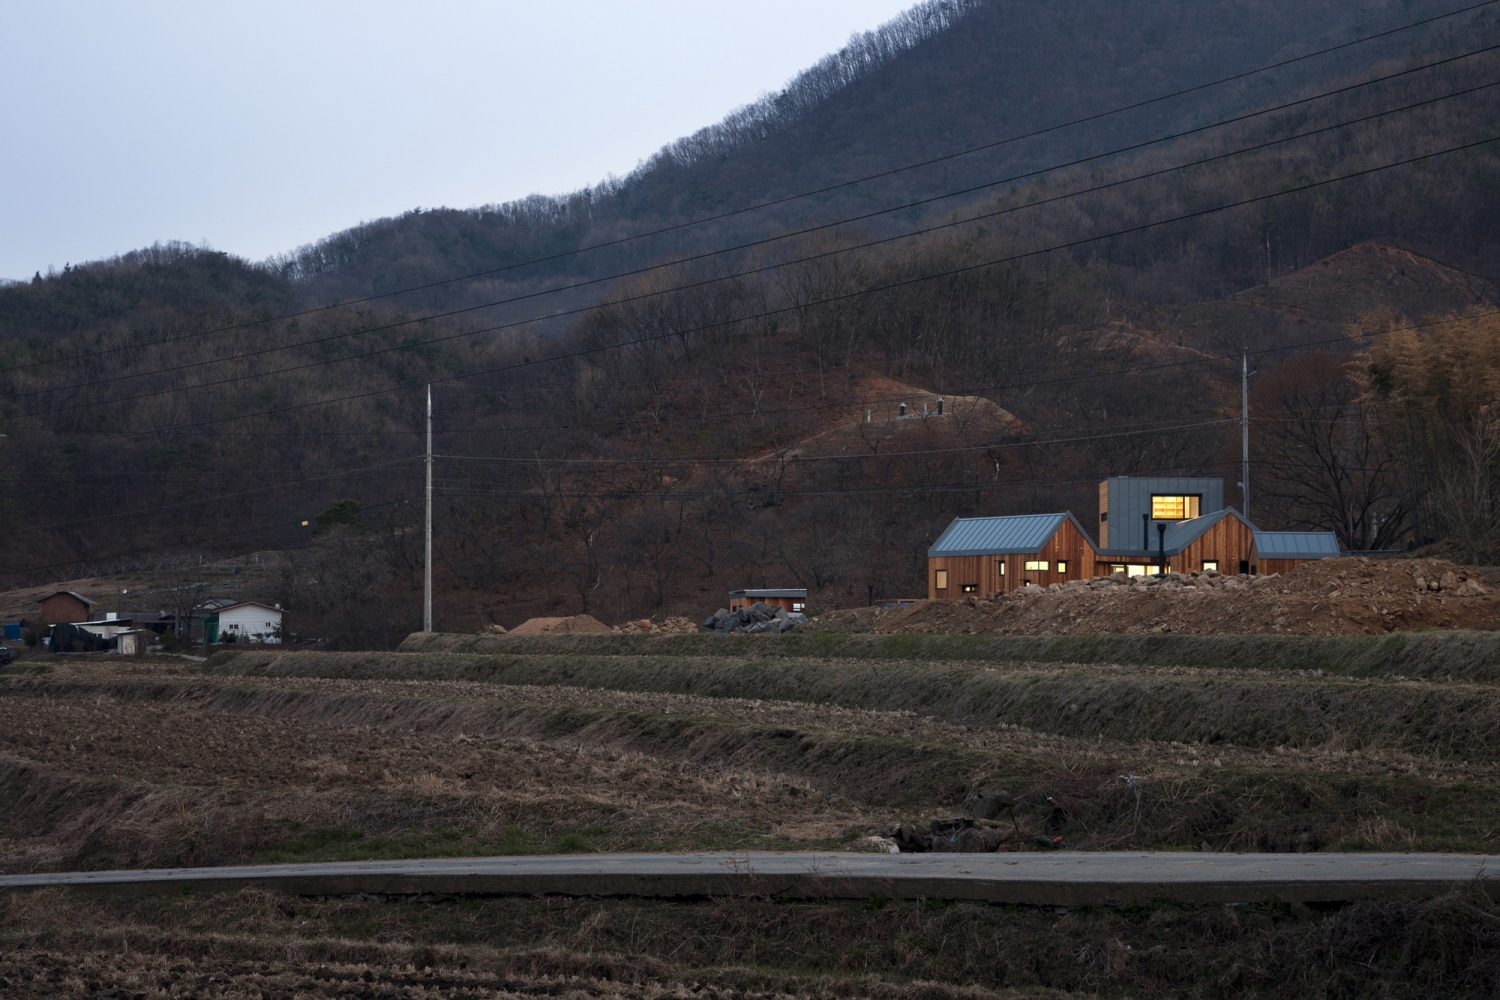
{"x": 968, "y": 588}
{"x": 1062, "y": 566}
{"x": 1210, "y": 564}
{"x": 1191, "y": 506}
{"x": 1038, "y": 565}
{"x": 939, "y": 579}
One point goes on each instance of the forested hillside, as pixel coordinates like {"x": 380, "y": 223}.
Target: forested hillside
{"x": 949, "y": 77}
{"x": 687, "y": 420}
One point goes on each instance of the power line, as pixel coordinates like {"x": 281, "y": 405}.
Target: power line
{"x": 680, "y": 262}
{"x": 788, "y": 309}
{"x": 1096, "y": 116}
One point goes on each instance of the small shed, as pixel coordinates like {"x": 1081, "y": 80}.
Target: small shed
{"x": 63, "y": 606}
{"x": 984, "y": 556}
{"x": 792, "y": 599}
{"x": 1280, "y": 551}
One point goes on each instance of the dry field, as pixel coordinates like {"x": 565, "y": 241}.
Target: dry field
{"x": 307, "y": 756}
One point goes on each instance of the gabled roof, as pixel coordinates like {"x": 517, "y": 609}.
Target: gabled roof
{"x": 1185, "y": 533}
{"x": 64, "y": 593}
{"x": 1296, "y": 544}
{"x": 1182, "y": 534}
{"x": 1001, "y": 536}
{"x": 242, "y": 604}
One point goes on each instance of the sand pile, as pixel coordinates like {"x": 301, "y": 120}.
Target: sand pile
{"x": 1355, "y": 596}
{"x": 556, "y": 626}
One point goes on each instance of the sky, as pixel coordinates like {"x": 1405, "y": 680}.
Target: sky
{"x": 256, "y": 127}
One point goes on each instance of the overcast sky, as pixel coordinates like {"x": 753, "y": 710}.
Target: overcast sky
{"x": 261, "y": 125}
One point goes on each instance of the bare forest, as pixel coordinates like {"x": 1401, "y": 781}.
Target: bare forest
{"x": 805, "y": 396}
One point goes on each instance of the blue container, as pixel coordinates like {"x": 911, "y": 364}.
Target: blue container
{"x": 12, "y": 630}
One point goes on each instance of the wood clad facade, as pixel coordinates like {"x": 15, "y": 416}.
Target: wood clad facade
{"x": 63, "y": 607}
{"x": 983, "y": 573}
{"x": 1228, "y": 543}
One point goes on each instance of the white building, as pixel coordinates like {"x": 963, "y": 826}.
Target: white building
{"x": 248, "y": 621}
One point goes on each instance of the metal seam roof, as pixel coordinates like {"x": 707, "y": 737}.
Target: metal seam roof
{"x": 1296, "y": 544}
{"x": 985, "y": 536}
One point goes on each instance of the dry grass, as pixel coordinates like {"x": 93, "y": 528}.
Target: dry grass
{"x": 1434, "y": 655}
{"x": 257, "y": 944}
{"x": 109, "y": 763}
{"x": 1244, "y": 708}
{"x": 110, "y": 771}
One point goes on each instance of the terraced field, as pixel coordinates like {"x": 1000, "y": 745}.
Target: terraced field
{"x": 579, "y": 743}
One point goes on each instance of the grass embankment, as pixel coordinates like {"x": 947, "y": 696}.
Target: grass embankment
{"x": 256, "y": 943}
{"x": 236, "y": 771}
{"x": 1438, "y": 655}
{"x": 1455, "y": 721}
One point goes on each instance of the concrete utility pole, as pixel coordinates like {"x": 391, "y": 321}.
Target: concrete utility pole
{"x": 427, "y": 547}
{"x": 1245, "y": 434}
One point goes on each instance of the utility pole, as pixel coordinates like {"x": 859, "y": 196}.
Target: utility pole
{"x": 427, "y": 548}
{"x": 1245, "y": 433}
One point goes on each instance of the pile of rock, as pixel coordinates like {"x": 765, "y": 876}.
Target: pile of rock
{"x": 758, "y": 617}
{"x": 1211, "y": 579}
{"x": 648, "y": 627}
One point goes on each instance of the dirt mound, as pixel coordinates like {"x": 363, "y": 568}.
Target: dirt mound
{"x": 557, "y": 626}
{"x": 1355, "y": 596}
{"x": 646, "y": 625}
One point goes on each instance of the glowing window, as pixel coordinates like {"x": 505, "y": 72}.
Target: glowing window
{"x": 942, "y": 579}
{"x": 1137, "y": 570}
{"x": 1037, "y": 565}
{"x": 970, "y": 588}
{"x": 1062, "y": 565}
{"x": 1000, "y": 566}
{"x": 1174, "y": 508}
{"x": 1210, "y": 564}
{"x": 798, "y": 605}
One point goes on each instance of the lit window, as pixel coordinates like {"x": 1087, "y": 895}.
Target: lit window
{"x": 1137, "y": 570}
{"x": 1174, "y": 508}
{"x": 1062, "y": 565}
{"x": 1000, "y": 566}
{"x": 1037, "y": 565}
{"x": 942, "y": 579}
{"x": 1210, "y": 564}
{"x": 1117, "y": 567}
{"x": 970, "y": 588}
{"x": 798, "y": 605}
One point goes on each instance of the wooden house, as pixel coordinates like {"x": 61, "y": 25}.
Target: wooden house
{"x": 983, "y": 556}
{"x": 1221, "y": 541}
{"x": 63, "y": 606}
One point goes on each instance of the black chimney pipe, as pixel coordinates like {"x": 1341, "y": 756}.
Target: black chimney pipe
{"x": 1161, "y": 536}
{"x": 1145, "y": 532}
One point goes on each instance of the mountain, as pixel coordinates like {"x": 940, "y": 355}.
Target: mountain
{"x": 948, "y": 76}
{"x": 732, "y": 420}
